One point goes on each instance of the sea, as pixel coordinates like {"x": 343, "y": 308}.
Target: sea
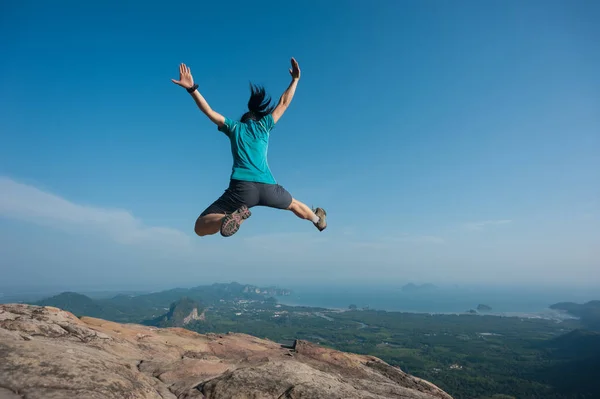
{"x": 523, "y": 301}
{"x": 515, "y": 300}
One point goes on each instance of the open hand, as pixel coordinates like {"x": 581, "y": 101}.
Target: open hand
{"x": 295, "y": 69}
{"x": 185, "y": 77}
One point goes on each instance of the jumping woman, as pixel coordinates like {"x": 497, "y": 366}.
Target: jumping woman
{"x": 251, "y": 181}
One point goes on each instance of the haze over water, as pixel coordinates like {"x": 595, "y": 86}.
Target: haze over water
{"x": 447, "y": 299}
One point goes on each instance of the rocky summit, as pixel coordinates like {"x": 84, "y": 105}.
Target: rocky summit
{"x": 48, "y": 353}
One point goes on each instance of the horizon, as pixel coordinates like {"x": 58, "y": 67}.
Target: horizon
{"x": 157, "y": 287}
{"x": 454, "y": 143}
{"x": 505, "y": 301}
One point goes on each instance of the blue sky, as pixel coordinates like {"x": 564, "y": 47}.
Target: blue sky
{"x": 448, "y": 141}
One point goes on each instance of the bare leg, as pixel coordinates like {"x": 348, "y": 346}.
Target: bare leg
{"x": 208, "y": 224}
{"x": 318, "y": 217}
{"x": 301, "y": 210}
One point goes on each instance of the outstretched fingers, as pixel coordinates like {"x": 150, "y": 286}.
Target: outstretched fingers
{"x": 184, "y": 69}
{"x": 185, "y": 76}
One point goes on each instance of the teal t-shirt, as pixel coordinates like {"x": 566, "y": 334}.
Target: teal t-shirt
{"x": 249, "y": 147}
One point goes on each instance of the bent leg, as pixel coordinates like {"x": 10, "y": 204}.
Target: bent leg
{"x": 225, "y": 209}
{"x": 208, "y": 224}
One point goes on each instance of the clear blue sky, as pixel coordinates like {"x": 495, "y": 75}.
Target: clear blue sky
{"x": 448, "y": 141}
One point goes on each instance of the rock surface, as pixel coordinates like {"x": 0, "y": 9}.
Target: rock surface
{"x": 49, "y": 353}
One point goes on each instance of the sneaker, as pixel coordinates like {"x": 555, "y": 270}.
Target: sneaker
{"x": 231, "y": 223}
{"x": 322, "y": 223}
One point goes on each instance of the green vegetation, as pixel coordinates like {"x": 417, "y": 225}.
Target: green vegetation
{"x": 588, "y": 312}
{"x": 470, "y": 356}
{"x": 178, "y": 314}
{"x": 139, "y": 308}
{"x": 75, "y": 303}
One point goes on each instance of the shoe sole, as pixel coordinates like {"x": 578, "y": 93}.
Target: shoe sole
{"x": 231, "y": 223}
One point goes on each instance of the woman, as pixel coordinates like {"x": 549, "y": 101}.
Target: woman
{"x": 251, "y": 182}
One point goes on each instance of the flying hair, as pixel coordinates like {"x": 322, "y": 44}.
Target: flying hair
{"x": 259, "y": 104}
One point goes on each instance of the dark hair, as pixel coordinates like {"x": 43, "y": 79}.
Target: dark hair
{"x": 259, "y": 104}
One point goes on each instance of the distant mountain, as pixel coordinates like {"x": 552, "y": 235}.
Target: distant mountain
{"x": 576, "y": 308}
{"x": 130, "y": 308}
{"x": 410, "y": 287}
{"x": 79, "y": 305}
{"x": 180, "y": 314}
{"x": 589, "y": 312}
{"x": 483, "y": 308}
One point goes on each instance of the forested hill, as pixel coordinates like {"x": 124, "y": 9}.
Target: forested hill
{"x": 589, "y": 312}
{"x": 139, "y": 308}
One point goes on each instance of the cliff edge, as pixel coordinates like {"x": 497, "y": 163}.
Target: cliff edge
{"x": 49, "y": 353}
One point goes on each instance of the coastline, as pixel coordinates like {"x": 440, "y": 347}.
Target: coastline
{"x": 545, "y": 313}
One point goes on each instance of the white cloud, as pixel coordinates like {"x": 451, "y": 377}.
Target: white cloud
{"x": 28, "y": 203}
{"x": 130, "y": 250}
{"x": 486, "y": 223}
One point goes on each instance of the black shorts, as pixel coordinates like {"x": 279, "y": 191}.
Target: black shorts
{"x": 250, "y": 194}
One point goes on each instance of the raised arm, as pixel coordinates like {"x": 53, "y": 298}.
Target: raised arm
{"x": 288, "y": 94}
{"x": 187, "y": 81}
